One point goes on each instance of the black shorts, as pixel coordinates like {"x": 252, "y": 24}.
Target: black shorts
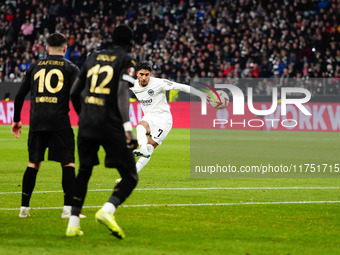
{"x": 117, "y": 154}
{"x": 60, "y": 144}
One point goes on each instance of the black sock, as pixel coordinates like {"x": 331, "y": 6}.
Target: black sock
{"x": 115, "y": 201}
{"x": 75, "y": 210}
{"x": 80, "y": 189}
{"x": 68, "y": 181}
{"x": 28, "y": 184}
{"x": 123, "y": 189}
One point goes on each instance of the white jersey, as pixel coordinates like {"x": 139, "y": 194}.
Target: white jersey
{"x": 154, "y": 104}
{"x": 153, "y": 96}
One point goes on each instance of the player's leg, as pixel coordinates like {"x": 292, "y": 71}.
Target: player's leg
{"x": 121, "y": 158}
{"x": 151, "y": 146}
{"x": 36, "y": 149}
{"x": 142, "y": 161}
{"x": 159, "y": 131}
{"x": 28, "y": 184}
{"x": 68, "y": 183}
{"x": 61, "y": 149}
{"x": 121, "y": 191}
{"x": 79, "y": 194}
{"x": 87, "y": 149}
{"x": 143, "y": 129}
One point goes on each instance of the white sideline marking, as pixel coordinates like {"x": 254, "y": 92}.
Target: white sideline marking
{"x": 186, "y": 205}
{"x": 241, "y": 203}
{"x": 164, "y": 189}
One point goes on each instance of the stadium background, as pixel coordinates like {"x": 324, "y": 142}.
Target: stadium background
{"x": 169, "y": 212}
{"x": 183, "y": 39}
{"x": 274, "y": 40}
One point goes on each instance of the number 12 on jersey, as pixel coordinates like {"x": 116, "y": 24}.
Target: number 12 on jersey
{"x": 94, "y": 72}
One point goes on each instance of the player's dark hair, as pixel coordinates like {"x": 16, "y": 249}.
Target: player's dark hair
{"x": 122, "y": 36}
{"x": 144, "y": 65}
{"x": 56, "y": 40}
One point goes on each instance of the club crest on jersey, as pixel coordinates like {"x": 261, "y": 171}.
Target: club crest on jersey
{"x": 151, "y": 92}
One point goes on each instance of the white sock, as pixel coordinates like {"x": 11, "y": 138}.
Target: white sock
{"x": 141, "y": 136}
{"x": 109, "y": 207}
{"x": 67, "y": 208}
{"x": 150, "y": 148}
{"x": 74, "y": 221}
{"x": 141, "y": 163}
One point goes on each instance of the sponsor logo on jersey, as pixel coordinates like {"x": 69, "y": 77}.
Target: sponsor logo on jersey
{"x": 146, "y": 102}
{"x": 151, "y": 92}
{"x": 52, "y": 100}
{"x": 94, "y": 100}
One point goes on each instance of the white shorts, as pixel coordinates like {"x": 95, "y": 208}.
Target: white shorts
{"x": 160, "y": 126}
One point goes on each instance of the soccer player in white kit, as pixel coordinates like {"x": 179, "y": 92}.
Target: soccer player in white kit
{"x": 157, "y": 120}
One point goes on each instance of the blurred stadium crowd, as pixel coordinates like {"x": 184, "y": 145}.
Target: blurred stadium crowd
{"x": 229, "y": 39}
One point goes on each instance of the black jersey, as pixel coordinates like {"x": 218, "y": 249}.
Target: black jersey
{"x": 49, "y": 81}
{"x": 99, "y": 78}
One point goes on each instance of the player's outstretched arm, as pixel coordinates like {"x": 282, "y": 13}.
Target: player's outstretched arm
{"x": 188, "y": 89}
{"x": 192, "y": 91}
{"x": 16, "y": 129}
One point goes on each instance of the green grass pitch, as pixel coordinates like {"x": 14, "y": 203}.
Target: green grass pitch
{"x": 184, "y": 218}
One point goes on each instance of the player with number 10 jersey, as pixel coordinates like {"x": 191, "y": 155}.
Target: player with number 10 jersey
{"x": 49, "y": 82}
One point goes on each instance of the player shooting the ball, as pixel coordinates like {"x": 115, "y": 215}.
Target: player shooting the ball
{"x": 157, "y": 120}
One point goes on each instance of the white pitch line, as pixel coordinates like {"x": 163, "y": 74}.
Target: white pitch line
{"x": 241, "y": 203}
{"x": 238, "y": 188}
{"x": 170, "y": 189}
{"x": 189, "y": 205}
